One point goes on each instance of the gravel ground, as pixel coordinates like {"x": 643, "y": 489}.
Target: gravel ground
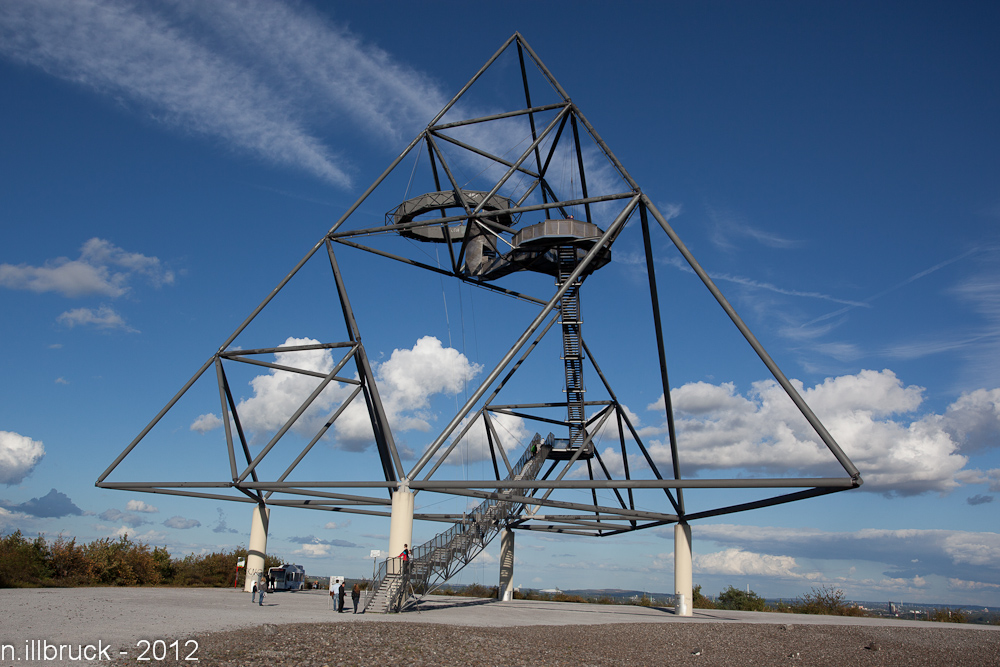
{"x": 413, "y": 644}
{"x": 301, "y": 629}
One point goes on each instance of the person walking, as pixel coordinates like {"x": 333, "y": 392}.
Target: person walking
{"x": 356, "y": 596}
{"x": 260, "y": 600}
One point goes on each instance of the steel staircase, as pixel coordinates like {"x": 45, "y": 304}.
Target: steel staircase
{"x": 569, "y": 308}
{"x": 398, "y": 583}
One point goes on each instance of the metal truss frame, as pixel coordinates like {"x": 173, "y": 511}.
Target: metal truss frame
{"x": 476, "y": 218}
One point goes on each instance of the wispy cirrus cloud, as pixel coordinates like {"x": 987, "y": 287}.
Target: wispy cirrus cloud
{"x": 250, "y": 74}
{"x": 729, "y": 227}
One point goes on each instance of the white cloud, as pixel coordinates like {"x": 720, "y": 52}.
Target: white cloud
{"x": 205, "y": 423}
{"x": 139, "y": 506}
{"x": 512, "y": 434}
{"x": 870, "y": 414}
{"x": 103, "y": 269}
{"x": 406, "y": 382}
{"x": 139, "y": 55}
{"x": 333, "y": 525}
{"x": 149, "y": 537}
{"x": 104, "y": 317}
{"x": 323, "y": 65}
{"x": 963, "y": 585}
{"x": 180, "y": 523}
{"x": 19, "y": 455}
{"x": 973, "y": 420}
{"x": 313, "y": 550}
{"x": 908, "y": 552}
{"x": 739, "y": 562}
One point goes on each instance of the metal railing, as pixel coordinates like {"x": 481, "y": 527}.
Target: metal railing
{"x": 432, "y": 563}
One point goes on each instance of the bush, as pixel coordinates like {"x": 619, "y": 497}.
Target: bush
{"x": 948, "y": 615}
{"x": 699, "y": 601}
{"x": 826, "y": 600}
{"x": 111, "y": 562}
{"x": 121, "y": 562}
{"x": 22, "y": 563}
{"x": 69, "y": 564}
{"x": 734, "y": 599}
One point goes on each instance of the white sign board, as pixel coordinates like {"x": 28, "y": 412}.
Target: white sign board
{"x": 375, "y": 554}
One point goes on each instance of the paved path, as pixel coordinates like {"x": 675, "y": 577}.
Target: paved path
{"x": 122, "y": 617}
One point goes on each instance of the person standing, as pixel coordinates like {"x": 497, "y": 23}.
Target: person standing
{"x": 340, "y": 599}
{"x": 253, "y": 592}
{"x": 356, "y": 596}
{"x": 263, "y": 588}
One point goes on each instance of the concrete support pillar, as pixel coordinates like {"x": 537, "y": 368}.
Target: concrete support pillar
{"x": 258, "y": 546}
{"x": 401, "y": 523}
{"x": 682, "y": 569}
{"x": 506, "y": 592}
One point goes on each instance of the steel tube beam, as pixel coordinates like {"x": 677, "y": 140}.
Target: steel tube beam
{"x": 498, "y": 116}
{"x": 383, "y": 434}
{"x": 755, "y": 344}
{"x": 406, "y": 260}
{"x": 561, "y": 504}
{"x": 220, "y": 377}
{"x": 488, "y": 156}
{"x": 232, "y": 354}
{"x": 292, "y": 369}
{"x": 661, "y": 353}
{"x": 430, "y": 222}
{"x": 535, "y": 324}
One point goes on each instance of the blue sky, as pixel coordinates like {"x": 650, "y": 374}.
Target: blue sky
{"x": 832, "y": 166}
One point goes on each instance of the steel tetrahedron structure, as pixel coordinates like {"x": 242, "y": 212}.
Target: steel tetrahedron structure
{"x": 525, "y": 203}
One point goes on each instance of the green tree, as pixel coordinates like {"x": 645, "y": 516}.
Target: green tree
{"x": 700, "y": 601}
{"x": 737, "y": 600}
{"x": 22, "y": 562}
{"x": 826, "y": 600}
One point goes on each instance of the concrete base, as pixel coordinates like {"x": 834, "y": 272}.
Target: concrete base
{"x": 506, "y": 590}
{"x": 258, "y": 546}
{"x": 682, "y": 569}
{"x": 401, "y": 523}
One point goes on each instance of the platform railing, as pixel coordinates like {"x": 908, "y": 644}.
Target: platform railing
{"x": 432, "y": 563}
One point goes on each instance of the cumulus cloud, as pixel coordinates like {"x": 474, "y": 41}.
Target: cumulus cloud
{"x": 103, "y": 269}
{"x": 313, "y": 550}
{"x": 205, "y": 423}
{"x": 333, "y": 525}
{"x": 312, "y": 539}
{"x": 870, "y": 414}
{"x": 54, "y": 504}
{"x": 128, "y": 518}
{"x": 511, "y": 433}
{"x": 736, "y": 561}
{"x": 139, "y": 506}
{"x": 407, "y": 382}
{"x": 963, "y": 585}
{"x": 907, "y": 552}
{"x": 973, "y": 421}
{"x": 104, "y": 317}
{"x": 19, "y": 455}
{"x": 180, "y": 523}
